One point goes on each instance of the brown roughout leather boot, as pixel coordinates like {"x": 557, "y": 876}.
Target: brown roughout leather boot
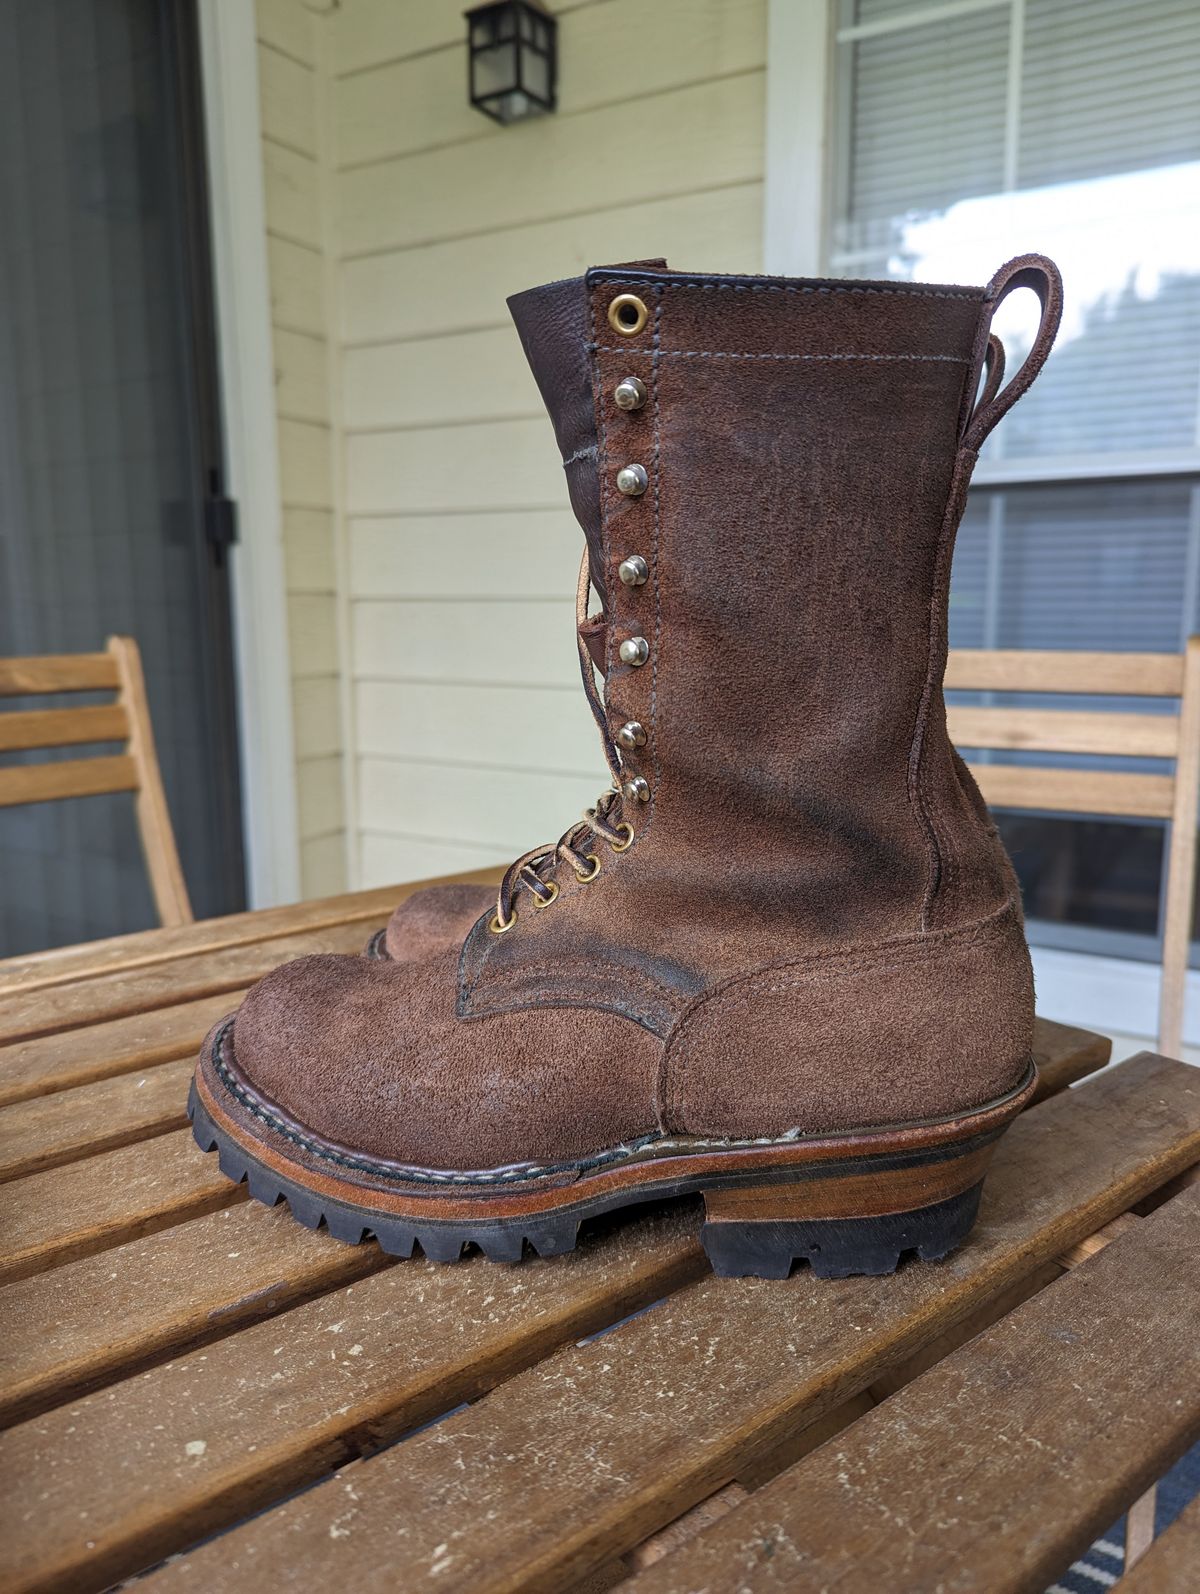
{"x": 782, "y": 962}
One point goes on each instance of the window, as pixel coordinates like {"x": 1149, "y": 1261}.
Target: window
{"x": 963, "y": 131}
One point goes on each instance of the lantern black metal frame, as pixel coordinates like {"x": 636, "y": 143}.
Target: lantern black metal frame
{"x": 530, "y": 36}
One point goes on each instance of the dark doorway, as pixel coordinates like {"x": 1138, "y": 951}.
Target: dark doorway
{"x": 112, "y": 515}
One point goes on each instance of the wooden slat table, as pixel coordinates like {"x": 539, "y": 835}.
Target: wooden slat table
{"x": 197, "y": 1388}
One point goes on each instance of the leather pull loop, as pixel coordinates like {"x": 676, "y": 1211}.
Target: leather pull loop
{"x": 1026, "y": 271}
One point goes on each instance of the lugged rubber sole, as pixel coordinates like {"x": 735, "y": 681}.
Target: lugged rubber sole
{"x": 859, "y": 1204}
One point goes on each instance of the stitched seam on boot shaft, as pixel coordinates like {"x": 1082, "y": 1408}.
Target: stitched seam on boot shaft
{"x": 722, "y": 354}
{"x": 857, "y": 959}
{"x": 904, "y": 290}
{"x": 821, "y": 969}
{"x": 939, "y": 859}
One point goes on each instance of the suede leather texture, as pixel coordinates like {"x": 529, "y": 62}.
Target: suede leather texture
{"x": 802, "y": 444}
{"x": 433, "y": 919}
{"x": 816, "y": 927}
{"x": 373, "y": 1056}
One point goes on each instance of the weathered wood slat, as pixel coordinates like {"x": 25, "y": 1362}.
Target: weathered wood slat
{"x": 70, "y": 777}
{"x": 142, "y": 990}
{"x": 168, "y": 1292}
{"x": 121, "y": 953}
{"x": 587, "y": 1454}
{"x": 1027, "y": 670}
{"x": 63, "y": 727}
{"x": 1064, "y": 1055}
{"x": 1055, "y": 731}
{"x": 53, "y": 1217}
{"x": 1075, "y": 791}
{"x": 206, "y": 1439}
{"x": 1005, "y": 1461}
{"x": 1172, "y": 1563}
{"x": 102, "y": 1051}
{"x": 51, "y": 1130}
{"x": 57, "y": 672}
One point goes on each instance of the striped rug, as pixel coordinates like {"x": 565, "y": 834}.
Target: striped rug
{"x": 1103, "y": 1564}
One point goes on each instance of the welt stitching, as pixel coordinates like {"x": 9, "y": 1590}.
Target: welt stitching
{"x": 420, "y": 1175}
{"x": 721, "y": 354}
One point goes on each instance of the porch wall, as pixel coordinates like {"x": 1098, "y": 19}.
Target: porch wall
{"x": 297, "y": 161}
{"x": 426, "y": 510}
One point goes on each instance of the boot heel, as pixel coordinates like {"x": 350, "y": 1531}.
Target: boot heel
{"x": 860, "y": 1222}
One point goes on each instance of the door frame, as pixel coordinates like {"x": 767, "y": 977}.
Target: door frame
{"x": 229, "y": 63}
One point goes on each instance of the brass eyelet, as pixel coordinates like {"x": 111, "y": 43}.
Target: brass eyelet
{"x": 590, "y": 874}
{"x": 627, "y": 315}
{"x": 497, "y": 928}
{"x": 627, "y": 831}
{"x": 544, "y": 902}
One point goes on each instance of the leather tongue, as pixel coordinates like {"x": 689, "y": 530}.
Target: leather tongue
{"x": 552, "y": 323}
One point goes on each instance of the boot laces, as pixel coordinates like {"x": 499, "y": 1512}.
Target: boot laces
{"x": 603, "y": 822}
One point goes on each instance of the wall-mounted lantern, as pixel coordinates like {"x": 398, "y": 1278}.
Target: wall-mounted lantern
{"x": 512, "y": 48}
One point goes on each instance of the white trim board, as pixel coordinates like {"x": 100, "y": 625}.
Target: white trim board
{"x": 799, "y": 64}
{"x": 229, "y": 62}
{"x": 1112, "y": 995}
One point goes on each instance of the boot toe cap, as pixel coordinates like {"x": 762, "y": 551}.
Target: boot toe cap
{"x": 371, "y": 1057}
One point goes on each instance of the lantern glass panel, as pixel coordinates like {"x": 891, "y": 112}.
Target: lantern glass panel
{"x": 535, "y": 74}
{"x": 494, "y": 70}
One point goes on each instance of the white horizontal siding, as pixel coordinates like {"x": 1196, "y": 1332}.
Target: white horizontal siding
{"x": 468, "y": 735}
{"x": 491, "y": 465}
{"x": 403, "y": 106}
{"x": 468, "y": 376}
{"x": 515, "y": 643}
{"x": 501, "y": 726}
{"x": 297, "y": 285}
{"x": 492, "y": 554}
{"x": 390, "y": 856}
{"x": 706, "y": 135}
{"x": 458, "y": 285}
{"x": 508, "y": 810}
{"x": 290, "y": 67}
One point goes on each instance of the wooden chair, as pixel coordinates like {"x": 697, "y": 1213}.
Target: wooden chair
{"x": 1173, "y": 797}
{"x": 126, "y": 719}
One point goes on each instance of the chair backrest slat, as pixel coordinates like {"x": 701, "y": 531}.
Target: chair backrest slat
{"x": 73, "y": 777}
{"x": 125, "y": 721}
{"x": 1034, "y": 730}
{"x": 63, "y": 727}
{"x": 1076, "y": 791}
{"x": 1136, "y": 733}
{"x": 58, "y": 672}
{"x": 1108, "y": 674}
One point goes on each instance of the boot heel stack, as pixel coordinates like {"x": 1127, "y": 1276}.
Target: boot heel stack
{"x": 844, "y": 1221}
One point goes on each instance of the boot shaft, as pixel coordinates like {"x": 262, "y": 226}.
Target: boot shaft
{"x": 779, "y": 468}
